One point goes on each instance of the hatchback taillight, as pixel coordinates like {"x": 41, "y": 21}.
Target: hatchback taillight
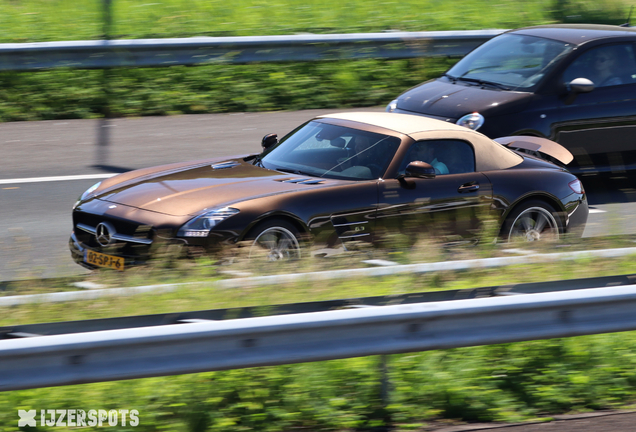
{"x": 577, "y": 186}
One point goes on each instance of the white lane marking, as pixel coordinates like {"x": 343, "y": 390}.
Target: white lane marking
{"x": 593, "y": 210}
{"x": 58, "y": 178}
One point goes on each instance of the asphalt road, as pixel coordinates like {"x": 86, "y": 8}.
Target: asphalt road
{"x": 588, "y": 422}
{"x": 35, "y": 216}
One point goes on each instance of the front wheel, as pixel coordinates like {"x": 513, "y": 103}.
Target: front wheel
{"x": 532, "y": 221}
{"x": 275, "y": 240}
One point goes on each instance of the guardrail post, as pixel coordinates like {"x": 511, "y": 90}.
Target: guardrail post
{"x": 103, "y": 125}
{"x": 384, "y": 381}
{"x": 108, "y": 18}
{"x": 380, "y": 411}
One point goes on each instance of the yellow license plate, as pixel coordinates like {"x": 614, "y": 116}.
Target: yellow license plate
{"x": 103, "y": 260}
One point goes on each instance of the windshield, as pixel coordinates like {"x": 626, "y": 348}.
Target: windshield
{"x": 510, "y": 61}
{"x": 324, "y": 150}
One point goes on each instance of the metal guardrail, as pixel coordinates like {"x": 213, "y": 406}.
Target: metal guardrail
{"x": 206, "y": 345}
{"x": 101, "y": 54}
{"x": 128, "y": 322}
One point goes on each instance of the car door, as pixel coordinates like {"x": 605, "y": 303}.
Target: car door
{"x": 449, "y": 205}
{"x": 599, "y": 127}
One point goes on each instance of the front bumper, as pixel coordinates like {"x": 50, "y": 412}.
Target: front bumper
{"x": 161, "y": 247}
{"x": 78, "y": 253}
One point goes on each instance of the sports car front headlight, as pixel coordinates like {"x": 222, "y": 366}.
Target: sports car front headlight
{"x": 392, "y": 106}
{"x": 472, "y": 121}
{"x": 86, "y": 193}
{"x": 201, "y": 225}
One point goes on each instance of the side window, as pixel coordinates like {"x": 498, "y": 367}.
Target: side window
{"x": 446, "y": 156}
{"x": 605, "y": 66}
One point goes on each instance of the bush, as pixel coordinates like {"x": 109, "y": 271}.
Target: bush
{"x": 613, "y": 12}
{"x": 63, "y": 93}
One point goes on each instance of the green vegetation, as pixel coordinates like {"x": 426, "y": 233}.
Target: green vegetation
{"x": 60, "y": 94}
{"x": 43, "y": 20}
{"x": 509, "y": 382}
{"x": 210, "y": 89}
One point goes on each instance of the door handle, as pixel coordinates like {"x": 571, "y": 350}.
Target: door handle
{"x": 468, "y": 187}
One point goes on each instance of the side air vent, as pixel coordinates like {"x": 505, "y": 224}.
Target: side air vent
{"x": 223, "y": 165}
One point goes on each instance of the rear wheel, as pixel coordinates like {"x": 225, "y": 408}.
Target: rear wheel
{"x": 275, "y": 240}
{"x": 532, "y": 221}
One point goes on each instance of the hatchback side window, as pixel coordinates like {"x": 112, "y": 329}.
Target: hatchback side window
{"x": 605, "y": 66}
{"x": 446, "y": 156}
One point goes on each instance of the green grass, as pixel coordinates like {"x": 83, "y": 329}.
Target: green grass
{"x": 44, "y": 20}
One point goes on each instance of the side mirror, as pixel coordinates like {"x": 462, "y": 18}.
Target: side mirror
{"x": 581, "y": 85}
{"x": 419, "y": 169}
{"x": 576, "y": 86}
{"x": 269, "y": 140}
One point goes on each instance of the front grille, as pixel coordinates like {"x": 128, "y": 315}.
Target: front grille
{"x": 86, "y": 223}
{"x": 122, "y": 226}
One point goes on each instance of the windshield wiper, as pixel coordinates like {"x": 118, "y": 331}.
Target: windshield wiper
{"x": 451, "y": 77}
{"x": 257, "y": 161}
{"x": 484, "y": 83}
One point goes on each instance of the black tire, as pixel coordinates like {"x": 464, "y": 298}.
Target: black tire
{"x": 275, "y": 239}
{"x": 532, "y": 221}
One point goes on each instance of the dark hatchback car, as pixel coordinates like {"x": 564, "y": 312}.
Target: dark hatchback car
{"x": 335, "y": 181}
{"x": 573, "y": 84}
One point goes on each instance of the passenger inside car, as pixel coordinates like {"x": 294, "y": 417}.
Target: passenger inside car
{"x": 426, "y": 152}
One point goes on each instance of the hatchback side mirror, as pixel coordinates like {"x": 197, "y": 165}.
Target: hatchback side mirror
{"x": 269, "y": 140}
{"x": 576, "y": 86}
{"x": 581, "y": 85}
{"x": 419, "y": 169}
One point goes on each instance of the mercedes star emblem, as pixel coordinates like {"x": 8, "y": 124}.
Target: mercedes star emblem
{"x": 104, "y": 233}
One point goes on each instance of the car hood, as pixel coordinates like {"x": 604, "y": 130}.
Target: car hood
{"x": 451, "y": 101}
{"x": 188, "y": 190}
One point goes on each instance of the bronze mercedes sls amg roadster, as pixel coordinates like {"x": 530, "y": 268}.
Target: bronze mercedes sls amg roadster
{"x": 336, "y": 180}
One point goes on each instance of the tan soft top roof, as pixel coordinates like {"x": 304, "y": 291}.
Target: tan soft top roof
{"x": 402, "y": 123}
{"x": 489, "y": 155}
